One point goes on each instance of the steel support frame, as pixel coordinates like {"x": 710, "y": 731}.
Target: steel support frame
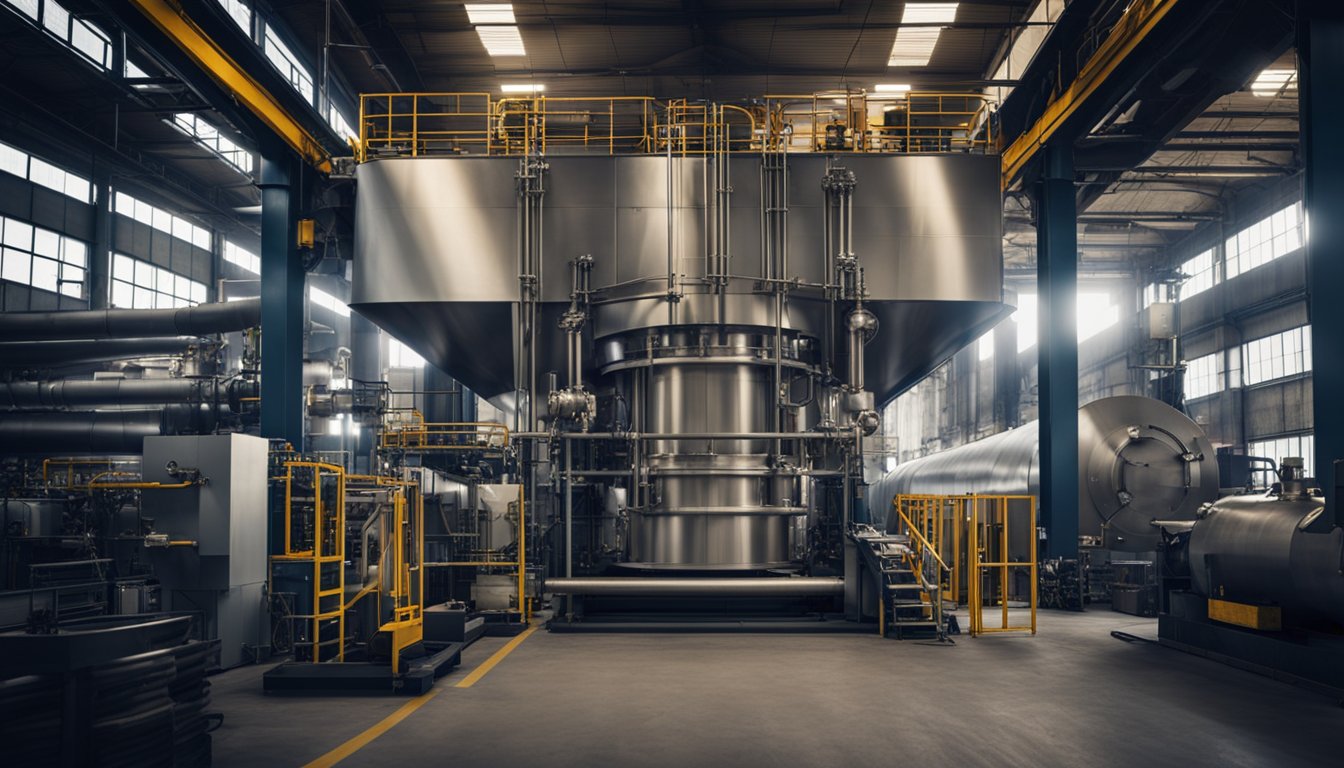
{"x": 1057, "y": 347}
{"x": 282, "y": 305}
{"x": 1320, "y": 50}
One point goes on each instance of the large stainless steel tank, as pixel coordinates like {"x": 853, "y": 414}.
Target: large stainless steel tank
{"x": 1264, "y": 550}
{"x": 1139, "y": 460}
{"x": 701, "y": 310}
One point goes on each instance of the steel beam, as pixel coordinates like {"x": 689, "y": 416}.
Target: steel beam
{"x": 1057, "y": 348}
{"x": 282, "y": 307}
{"x": 212, "y": 59}
{"x": 1133, "y": 28}
{"x": 1320, "y": 50}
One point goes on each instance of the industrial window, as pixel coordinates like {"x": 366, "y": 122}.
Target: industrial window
{"x": 85, "y": 39}
{"x": 1102, "y": 313}
{"x": 38, "y": 171}
{"x": 1202, "y": 273}
{"x": 161, "y": 220}
{"x": 1278, "y": 356}
{"x": 240, "y": 13}
{"x": 289, "y": 65}
{"x": 1204, "y": 376}
{"x": 401, "y": 356}
{"x": 208, "y": 136}
{"x": 339, "y": 124}
{"x": 1265, "y": 240}
{"x": 242, "y": 257}
{"x": 1279, "y": 448}
{"x": 325, "y": 300}
{"x": 42, "y": 258}
{"x": 984, "y": 348}
{"x": 138, "y": 284}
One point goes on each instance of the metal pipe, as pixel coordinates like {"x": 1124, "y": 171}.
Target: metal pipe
{"x": 41, "y": 354}
{"x": 200, "y": 320}
{"x": 68, "y": 393}
{"x": 682, "y": 587}
{"x": 83, "y": 431}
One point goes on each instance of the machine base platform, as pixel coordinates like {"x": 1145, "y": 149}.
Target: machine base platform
{"x": 356, "y": 677}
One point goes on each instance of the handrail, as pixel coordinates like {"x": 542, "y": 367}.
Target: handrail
{"x": 910, "y": 528}
{"x": 416, "y": 124}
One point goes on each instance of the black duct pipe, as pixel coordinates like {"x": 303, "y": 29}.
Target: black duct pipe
{"x": 48, "y": 354}
{"x": 55, "y": 432}
{"x": 200, "y": 320}
{"x": 45, "y": 395}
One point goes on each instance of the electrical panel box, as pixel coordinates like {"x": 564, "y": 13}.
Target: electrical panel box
{"x": 1162, "y": 320}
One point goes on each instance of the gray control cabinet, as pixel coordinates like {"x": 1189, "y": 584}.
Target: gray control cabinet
{"x": 223, "y": 575}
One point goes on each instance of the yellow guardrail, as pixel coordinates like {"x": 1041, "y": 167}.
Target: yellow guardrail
{"x": 980, "y": 541}
{"x": 447, "y": 123}
{"x": 413, "y": 435}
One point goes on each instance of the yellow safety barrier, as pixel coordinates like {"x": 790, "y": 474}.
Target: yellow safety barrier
{"x": 980, "y": 542}
{"x": 427, "y": 123}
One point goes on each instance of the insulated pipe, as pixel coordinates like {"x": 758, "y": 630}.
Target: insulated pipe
{"x": 78, "y": 431}
{"x": 721, "y": 587}
{"x": 41, "y": 354}
{"x": 55, "y": 432}
{"x": 70, "y": 393}
{"x": 200, "y": 320}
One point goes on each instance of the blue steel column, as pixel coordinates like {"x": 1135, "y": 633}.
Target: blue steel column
{"x": 1057, "y": 348}
{"x": 1320, "y": 51}
{"x": 281, "y": 305}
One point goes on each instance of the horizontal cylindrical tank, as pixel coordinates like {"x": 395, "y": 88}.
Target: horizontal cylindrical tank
{"x": 1139, "y": 460}
{"x": 1264, "y": 550}
{"x": 698, "y": 587}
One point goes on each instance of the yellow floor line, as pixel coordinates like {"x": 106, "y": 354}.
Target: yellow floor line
{"x": 489, "y": 664}
{"x": 383, "y": 726}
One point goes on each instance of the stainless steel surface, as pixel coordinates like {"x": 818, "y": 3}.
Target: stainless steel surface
{"x": 437, "y": 253}
{"x": 724, "y": 320}
{"x": 622, "y": 586}
{"x": 1254, "y": 549}
{"x": 1131, "y": 465}
{"x": 199, "y": 320}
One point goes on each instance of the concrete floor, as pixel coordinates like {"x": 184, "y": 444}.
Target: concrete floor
{"x": 1072, "y": 696}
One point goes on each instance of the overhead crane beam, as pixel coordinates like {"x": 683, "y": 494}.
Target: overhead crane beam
{"x": 1132, "y": 29}
{"x": 174, "y": 22}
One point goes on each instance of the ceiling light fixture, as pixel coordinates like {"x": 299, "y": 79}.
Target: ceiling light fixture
{"x": 522, "y": 87}
{"x": 501, "y": 41}
{"x": 490, "y": 13}
{"x": 914, "y": 46}
{"x": 892, "y": 88}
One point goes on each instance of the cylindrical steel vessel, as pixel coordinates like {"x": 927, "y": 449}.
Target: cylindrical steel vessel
{"x": 1257, "y": 550}
{"x": 1139, "y": 460}
{"x": 715, "y": 504}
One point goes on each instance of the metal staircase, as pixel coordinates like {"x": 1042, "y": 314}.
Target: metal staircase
{"x": 910, "y": 604}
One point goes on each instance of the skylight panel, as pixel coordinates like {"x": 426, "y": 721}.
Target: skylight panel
{"x": 501, "y": 41}
{"x": 1272, "y": 82}
{"x": 914, "y": 46}
{"x": 490, "y": 13}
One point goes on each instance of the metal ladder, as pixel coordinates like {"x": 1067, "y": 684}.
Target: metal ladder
{"x": 910, "y": 604}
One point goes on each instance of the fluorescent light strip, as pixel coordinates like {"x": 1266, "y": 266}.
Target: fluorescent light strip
{"x": 892, "y": 88}
{"x": 501, "y": 41}
{"x": 522, "y": 87}
{"x": 490, "y": 13}
{"x": 914, "y": 46}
